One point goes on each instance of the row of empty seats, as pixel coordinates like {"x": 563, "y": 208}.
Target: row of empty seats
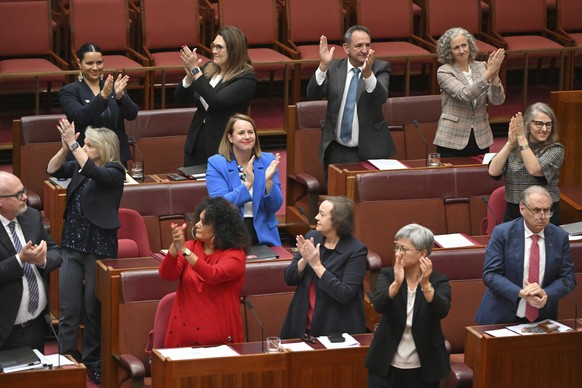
{"x": 279, "y": 33}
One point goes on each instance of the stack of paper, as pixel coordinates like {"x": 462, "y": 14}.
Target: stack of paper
{"x": 348, "y": 343}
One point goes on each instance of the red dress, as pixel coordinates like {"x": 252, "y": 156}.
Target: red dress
{"x": 206, "y": 310}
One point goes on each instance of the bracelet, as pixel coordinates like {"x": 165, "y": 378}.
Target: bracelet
{"x": 524, "y": 147}
{"x": 428, "y": 289}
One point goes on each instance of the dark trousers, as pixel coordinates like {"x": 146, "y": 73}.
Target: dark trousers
{"x": 198, "y": 155}
{"x": 32, "y": 334}
{"x": 399, "y": 378}
{"x": 336, "y": 153}
{"x": 471, "y": 149}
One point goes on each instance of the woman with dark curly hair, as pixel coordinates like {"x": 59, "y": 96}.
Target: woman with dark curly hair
{"x": 328, "y": 271}
{"x": 211, "y": 271}
{"x": 466, "y": 87}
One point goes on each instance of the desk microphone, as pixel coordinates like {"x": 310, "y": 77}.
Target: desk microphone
{"x": 417, "y": 125}
{"x": 47, "y": 318}
{"x": 133, "y": 142}
{"x": 302, "y": 212}
{"x": 486, "y": 202}
{"x": 250, "y": 306}
{"x": 567, "y": 284}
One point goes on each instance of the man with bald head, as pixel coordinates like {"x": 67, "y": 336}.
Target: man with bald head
{"x": 27, "y": 255}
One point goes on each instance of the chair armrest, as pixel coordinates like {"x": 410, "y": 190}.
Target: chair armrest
{"x": 374, "y": 262}
{"x": 133, "y": 365}
{"x": 308, "y": 181}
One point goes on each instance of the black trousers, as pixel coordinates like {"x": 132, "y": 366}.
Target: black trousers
{"x": 32, "y": 334}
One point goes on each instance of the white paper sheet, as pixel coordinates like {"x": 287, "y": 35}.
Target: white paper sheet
{"x": 387, "y": 164}
{"x": 193, "y": 353}
{"x": 488, "y": 156}
{"x": 297, "y": 346}
{"x": 349, "y": 342}
{"x": 54, "y": 360}
{"x": 453, "y": 240}
{"x": 519, "y": 329}
{"x": 502, "y": 333}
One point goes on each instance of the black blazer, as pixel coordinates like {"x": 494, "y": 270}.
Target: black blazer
{"x": 11, "y": 272}
{"x": 84, "y": 108}
{"x": 339, "y": 305}
{"x": 101, "y": 197}
{"x": 426, "y": 326}
{"x": 224, "y": 100}
{"x": 375, "y": 141}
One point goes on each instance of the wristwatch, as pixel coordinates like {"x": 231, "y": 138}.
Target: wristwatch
{"x": 195, "y": 71}
{"x": 186, "y": 252}
{"x": 74, "y": 146}
{"x": 524, "y": 147}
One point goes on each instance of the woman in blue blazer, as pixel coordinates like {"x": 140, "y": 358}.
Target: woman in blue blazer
{"x": 98, "y": 101}
{"x": 248, "y": 178}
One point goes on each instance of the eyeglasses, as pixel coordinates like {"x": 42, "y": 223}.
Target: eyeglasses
{"x": 540, "y": 212}
{"x": 402, "y": 248}
{"x": 18, "y": 195}
{"x": 308, "y": 338}
{"x": 217, "y": 47}
{"x": 540, "y": 124}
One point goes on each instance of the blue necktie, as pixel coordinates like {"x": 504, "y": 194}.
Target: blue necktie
{"x": 350, "y": 107}
{"x": 28, "y": 272}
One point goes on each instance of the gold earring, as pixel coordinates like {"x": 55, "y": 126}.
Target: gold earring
{"x": 101, "y": 77}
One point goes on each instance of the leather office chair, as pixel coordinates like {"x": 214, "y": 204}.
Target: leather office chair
{"x": 495, "y": 210}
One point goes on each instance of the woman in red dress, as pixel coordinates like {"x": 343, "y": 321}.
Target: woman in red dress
{"x": 211, "y": 271}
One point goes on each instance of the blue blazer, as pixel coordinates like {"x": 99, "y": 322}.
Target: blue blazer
{"x": 84, "y": 108}
{"x": 223, "y": 180}
{"x": 503, "y": 272}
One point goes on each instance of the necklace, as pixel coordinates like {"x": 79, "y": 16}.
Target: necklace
{"x": 241, "y": 173}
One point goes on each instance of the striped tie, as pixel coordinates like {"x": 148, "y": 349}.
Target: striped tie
{"x": 28, "y": 272}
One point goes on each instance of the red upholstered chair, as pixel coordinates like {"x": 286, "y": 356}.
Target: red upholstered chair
{"x": 106, "y": 23}
{"x": 132, "y": 236}
{"x": 443, "y": 14}
{"x": 164, "y": 30}
{"x": 157, "y": 336}
{"x": 26, "y": 46}
{"x": 569, "y": 23}
{"x": 307, "y": 20}
{"x": 495, "y": 210}
{"x": 261, "y": 29}
{"x": 521, "y": 26}
{"x": 393, "y": 38}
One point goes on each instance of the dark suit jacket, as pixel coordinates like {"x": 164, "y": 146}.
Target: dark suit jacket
{"x": 375, "y": 141}
{"x": 11, "y": 272}
{"x": 426, "y": 326}
{"x": 339, "y": 305}
{"x": 84, "y": 108}
{"x": 101, "y": 197}
{"x": 224, "y": 100}
{"x": 223, "y": 180}
{"x": 503, "y": 272}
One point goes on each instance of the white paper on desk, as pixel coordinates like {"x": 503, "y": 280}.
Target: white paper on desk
{"x": 54, "y": 359}
{"x": 452, "y": 240}
{"x": 297, "y": 346}
{"x": 488, "y": 156}
{"x": 193, "y": 353}
{"x": 502, "y": 333}
{"x": 129, "y": 180}
{"x": 574, "y": 238}
{"x": 349, "y": 342}
{"x": 519, "y": 328}
{"x": 387, "y": 164}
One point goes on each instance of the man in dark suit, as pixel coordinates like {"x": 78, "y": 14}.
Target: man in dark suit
{"x": 352, "y": 133}
{"x": 527, "y": 262}
{"x": 27, "y": 255}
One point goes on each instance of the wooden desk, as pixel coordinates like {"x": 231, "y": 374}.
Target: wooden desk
{"x": 545, "y": 360}
{"x": 67, "y": 376}
{"x": 341, "y": 176}
{"x": 340, "y": 368}
{"x": 107, "y": 290}
{"x": 570, "y": 204}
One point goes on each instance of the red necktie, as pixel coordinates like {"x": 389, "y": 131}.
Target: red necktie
{"x": 531, "y": 313}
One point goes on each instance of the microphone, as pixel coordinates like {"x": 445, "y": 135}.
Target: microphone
{"x": 133, "y": 142}
{"x": 302, "y": 212}
{"x": 486, "y": 202}
{"x": 47, "y": 319}
{"x": 566, "y": 283}
{"x": 250, "y": 306}
{"x": 417, "y": 125}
